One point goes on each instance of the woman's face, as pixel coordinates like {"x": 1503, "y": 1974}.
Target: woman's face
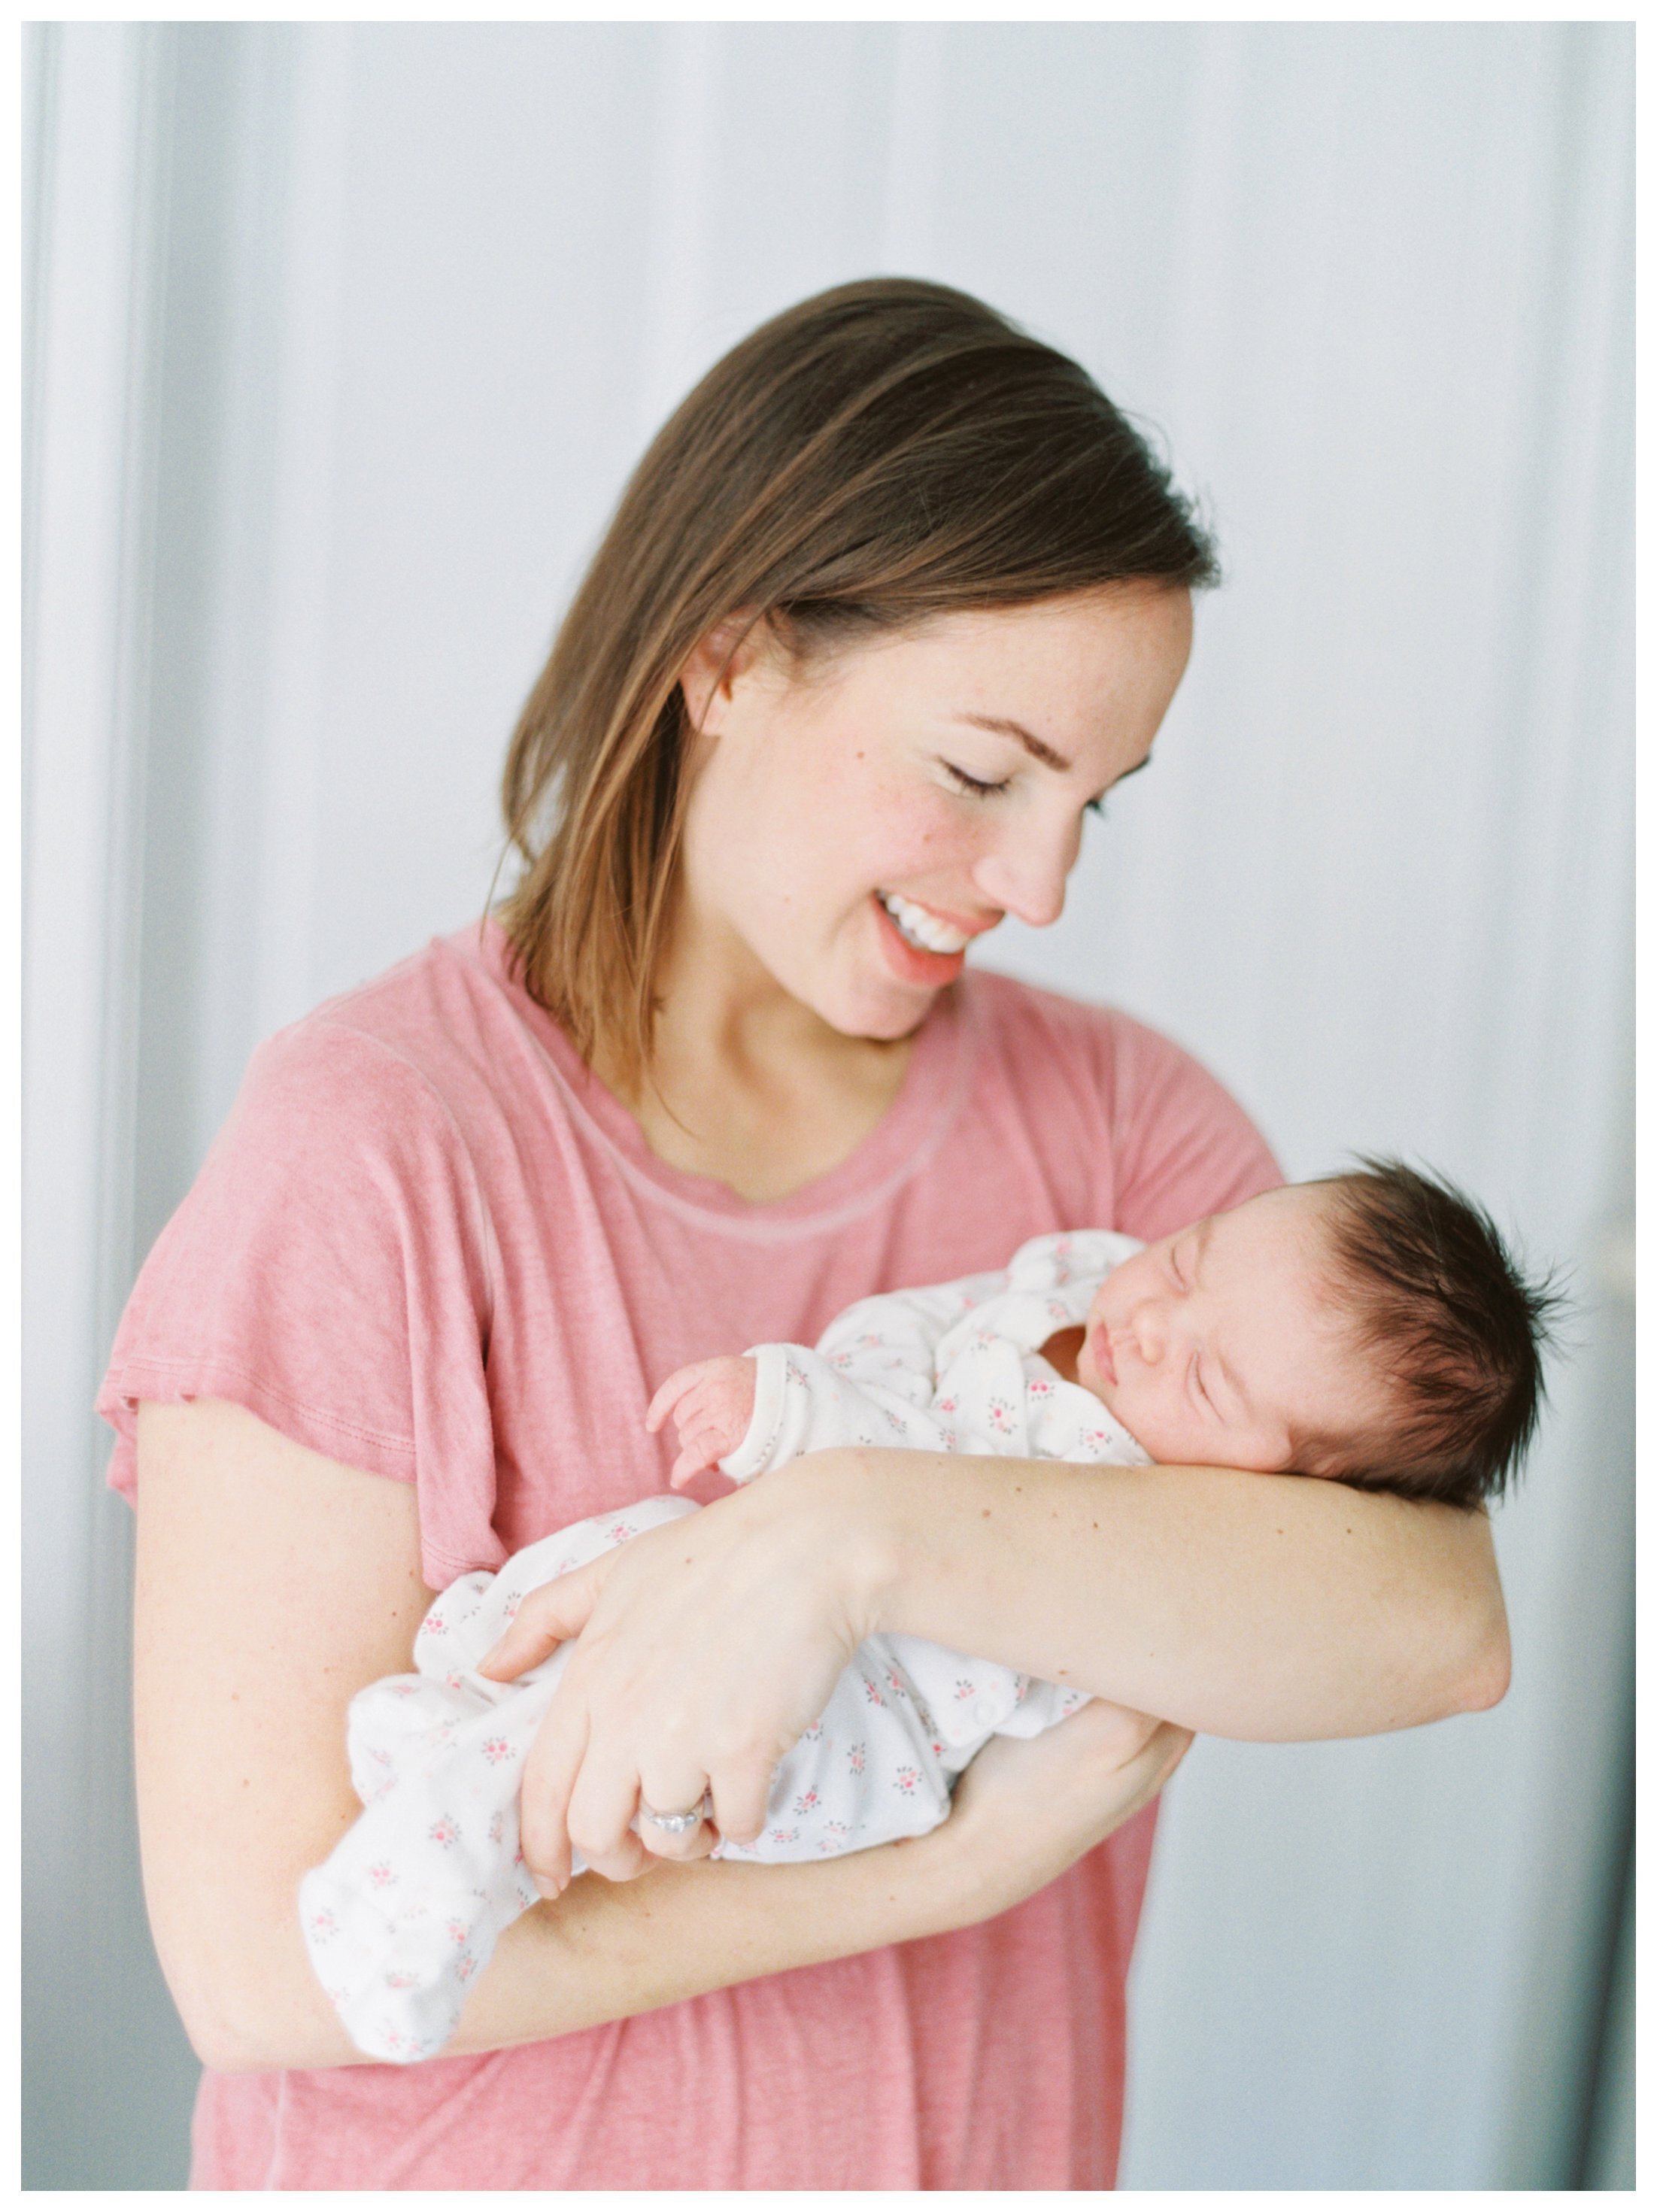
{"x": 852, "y": 825}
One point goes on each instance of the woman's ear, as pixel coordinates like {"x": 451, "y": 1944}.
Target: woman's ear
{"x": 716, "y": 664}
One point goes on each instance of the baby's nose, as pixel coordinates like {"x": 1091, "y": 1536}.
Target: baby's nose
{"x": 1150, "y": 1333}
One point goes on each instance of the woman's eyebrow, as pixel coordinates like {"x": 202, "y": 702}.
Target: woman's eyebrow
{"x": 1038, "y": 747}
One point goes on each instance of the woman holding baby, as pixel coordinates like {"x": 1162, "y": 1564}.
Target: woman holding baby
{"x": 892, "y": 601}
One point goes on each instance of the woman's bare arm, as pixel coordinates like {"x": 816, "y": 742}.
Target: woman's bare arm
{"x": 1256, "y": 1605}
{"x": 1275, "y": 1608}
{"x": 272, "y": 1585}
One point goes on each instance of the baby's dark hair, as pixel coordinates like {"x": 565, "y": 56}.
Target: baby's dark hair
{"x": 1458, "y": 1330}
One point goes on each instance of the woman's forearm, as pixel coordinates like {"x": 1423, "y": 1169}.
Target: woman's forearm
{"x": 606, "y": 1950}
{"x": 1268, "y": 1607}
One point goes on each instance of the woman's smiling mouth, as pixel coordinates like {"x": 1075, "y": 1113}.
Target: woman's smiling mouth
{"x": 926, "y": 931}
{"x": 921, "y": 946}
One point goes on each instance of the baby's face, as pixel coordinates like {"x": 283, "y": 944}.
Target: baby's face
{"x": 1220, "y": 1345}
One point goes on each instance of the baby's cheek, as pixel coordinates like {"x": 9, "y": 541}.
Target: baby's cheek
{"x": 1158, "y": 1429}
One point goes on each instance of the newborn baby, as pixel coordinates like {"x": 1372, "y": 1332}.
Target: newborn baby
{"x": 1371, "y": 1328}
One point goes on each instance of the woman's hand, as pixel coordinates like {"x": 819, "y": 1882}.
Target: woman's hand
{"x": 1027, "y": 1809}
{"x": 707, "y": 1649}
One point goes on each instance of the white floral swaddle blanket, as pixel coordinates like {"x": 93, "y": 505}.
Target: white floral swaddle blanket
{"x": 409, "y": 1906}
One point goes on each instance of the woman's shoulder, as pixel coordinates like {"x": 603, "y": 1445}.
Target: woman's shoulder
{"x": 431, "y": 1042}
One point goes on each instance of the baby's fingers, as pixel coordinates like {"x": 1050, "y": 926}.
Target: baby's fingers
{"x": 688, "y": 1465}
{"x": 681, "y": 1380}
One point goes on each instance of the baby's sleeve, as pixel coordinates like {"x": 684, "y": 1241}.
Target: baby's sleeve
{"x": 804, "y": 1403}
{"x": 870, "y": 1381}
{"x": 889, "y": 1343}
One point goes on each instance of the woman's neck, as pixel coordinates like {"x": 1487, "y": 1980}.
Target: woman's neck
{"x": 749, "y": 1086}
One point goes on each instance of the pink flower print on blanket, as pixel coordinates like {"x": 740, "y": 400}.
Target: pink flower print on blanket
{"x": 856, "y": 1757}
{"x": 445, "y": 1831}
{"x": 496, "y": 1749}
{"x": 381, "y": 1874}
{"x": 807, "y": 1803}
{"x": 324, "y": 1927}
{"x": 1000, "y": 1416}
{"x": 906, "y": 1779}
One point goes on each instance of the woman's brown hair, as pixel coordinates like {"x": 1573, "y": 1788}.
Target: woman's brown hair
{"x": 885, "y": 451}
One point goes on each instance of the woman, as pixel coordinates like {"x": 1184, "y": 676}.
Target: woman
{"x": 892, "y": 601}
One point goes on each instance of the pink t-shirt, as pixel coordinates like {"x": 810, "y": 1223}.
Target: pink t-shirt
{"x": 427, "y": 1243}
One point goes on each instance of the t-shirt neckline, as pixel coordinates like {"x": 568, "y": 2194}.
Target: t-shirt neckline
{"x": 893, "y": 1150}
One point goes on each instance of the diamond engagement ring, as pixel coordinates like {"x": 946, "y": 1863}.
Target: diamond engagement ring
{"x": 674, "y": 1824}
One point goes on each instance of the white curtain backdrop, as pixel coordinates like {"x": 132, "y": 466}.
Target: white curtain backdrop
{"x": 342, "y": 342}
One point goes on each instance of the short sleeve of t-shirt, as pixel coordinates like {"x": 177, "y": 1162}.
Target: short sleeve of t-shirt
{"x": 1181, "y": 1144}
{"x": 330, "y": 1271}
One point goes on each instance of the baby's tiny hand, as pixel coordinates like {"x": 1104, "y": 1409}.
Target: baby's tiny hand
{"x": 713, "y": 1403}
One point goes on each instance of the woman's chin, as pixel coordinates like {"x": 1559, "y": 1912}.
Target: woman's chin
{"x": 872, "y": 1003}
{"x": 882, "y": 1018}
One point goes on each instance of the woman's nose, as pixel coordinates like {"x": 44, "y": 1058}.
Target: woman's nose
{"x": 1026, "y": 880}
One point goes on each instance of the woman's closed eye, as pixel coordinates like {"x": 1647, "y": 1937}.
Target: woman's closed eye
{"x": 972, "y": 786}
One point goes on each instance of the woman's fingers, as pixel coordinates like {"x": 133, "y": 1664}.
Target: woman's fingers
{"x": 672, "y": 1794}
{"x": 549, "y": 1773}
{"x": 547, "y": 1617}
{"x": 741, "y": 1797}
{"x": 602, "y": 1806}
{"x": 1027, "y": 1809}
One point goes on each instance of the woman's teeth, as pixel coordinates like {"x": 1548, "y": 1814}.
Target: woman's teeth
{"x": 923, "y": 930}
